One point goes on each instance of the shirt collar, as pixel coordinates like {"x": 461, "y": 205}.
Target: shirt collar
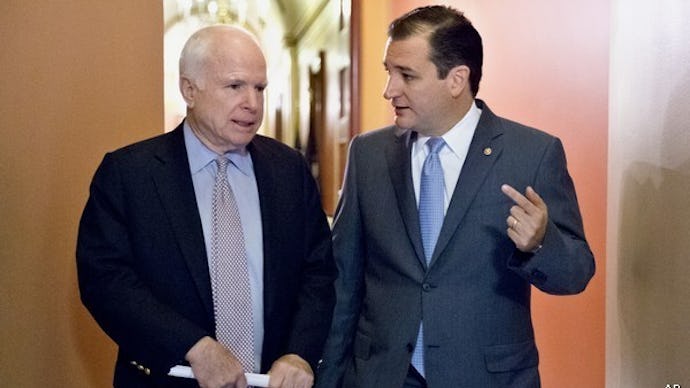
{"x": 458, "y": 135}
{"x": 201, "y": 156}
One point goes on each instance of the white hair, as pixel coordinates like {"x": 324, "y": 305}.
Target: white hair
{"x": 197, "y": 50}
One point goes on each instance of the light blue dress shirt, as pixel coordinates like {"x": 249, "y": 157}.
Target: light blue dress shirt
{"x": 243, "y": 183}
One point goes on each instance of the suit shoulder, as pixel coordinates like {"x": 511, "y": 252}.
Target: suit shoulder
{"x": 377, "y": 138}
{"x": 142, "y": 146}
{"x": 525, "y": 134}
{"x": 268, "y": 144}
{"x": 272, "y": 151}
{"x": 380, "y": 134}
{"x": 500, "y": 124}
{"x": 523, "y": 129}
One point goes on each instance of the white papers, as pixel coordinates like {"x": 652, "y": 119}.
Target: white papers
{"x": 181, "y": 371}
{"x": 253, "y": 379}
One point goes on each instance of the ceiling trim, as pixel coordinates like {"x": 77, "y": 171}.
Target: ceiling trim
{"x": 296, "y": 29}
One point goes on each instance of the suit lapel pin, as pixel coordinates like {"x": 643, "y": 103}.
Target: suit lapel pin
{"x": 487, "y": 151}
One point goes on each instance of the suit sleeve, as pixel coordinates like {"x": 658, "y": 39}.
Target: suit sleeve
{"x": 316, "y": 295}
{"x": 111, "y": 285}
{"x": 565, "y": 264}
{"x": 348, "y": 251}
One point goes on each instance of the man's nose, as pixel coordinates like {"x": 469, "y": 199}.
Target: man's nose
{"x": 391, "y": 90}
{"x": 253, "y": 100}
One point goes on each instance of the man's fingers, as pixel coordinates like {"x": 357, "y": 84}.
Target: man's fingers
{"x": 291, "y": 371}
{"x": 527, "y": 218}
{"x": 515, "y": 195}
{"x": 511, "y": 192}
{"x": 535, "y": 198}
{"x": 530, "y": 202}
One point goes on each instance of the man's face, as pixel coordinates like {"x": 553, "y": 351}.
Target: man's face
{"x": 421, "y": 100}
{"x": 228, "y": 103}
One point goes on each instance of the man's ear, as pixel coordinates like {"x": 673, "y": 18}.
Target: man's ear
{"x": 188, "y": 90}
{"x": 458, "y": 80}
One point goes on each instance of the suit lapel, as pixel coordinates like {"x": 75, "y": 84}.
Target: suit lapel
{"x": 485, "y": 148}
{"x": 173, "y": 182}
{"x": 268, "y": 184}
{"x": 398, "y": 155}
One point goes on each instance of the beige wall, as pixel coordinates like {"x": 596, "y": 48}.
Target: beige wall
{"x": 648, "y": 283}
{"x": 77, "y": 79}
{"x": 375, "y": 111}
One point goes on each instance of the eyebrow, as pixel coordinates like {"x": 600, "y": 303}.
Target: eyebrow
{"x": 401, "y": 68}
{"x": 242, "y": 81}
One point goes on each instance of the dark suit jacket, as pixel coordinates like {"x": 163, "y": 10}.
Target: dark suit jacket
{"x": 142, "y": 263}
{"x": 475, "y": 294}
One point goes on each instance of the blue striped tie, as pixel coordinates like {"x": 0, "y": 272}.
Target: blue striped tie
{"x": 431, "y": 212}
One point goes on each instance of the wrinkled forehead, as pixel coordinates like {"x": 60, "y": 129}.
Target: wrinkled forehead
{"x": 241, "y": 57}
{"x": 227, "y": 54}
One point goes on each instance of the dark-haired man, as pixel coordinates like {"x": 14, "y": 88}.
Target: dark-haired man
{"x": 446, "y": 220}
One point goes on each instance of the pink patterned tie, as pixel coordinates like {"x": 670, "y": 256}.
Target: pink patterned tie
{"x": 232, "y": 301}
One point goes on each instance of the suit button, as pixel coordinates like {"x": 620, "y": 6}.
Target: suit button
{"x": 426, "y": 287}
{"x": 409, "y": 347}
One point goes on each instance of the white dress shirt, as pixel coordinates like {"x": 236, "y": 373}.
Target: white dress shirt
{"x": 452, "y": 155}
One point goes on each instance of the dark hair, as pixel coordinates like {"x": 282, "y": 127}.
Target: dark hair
{"x": 452, "y": 39}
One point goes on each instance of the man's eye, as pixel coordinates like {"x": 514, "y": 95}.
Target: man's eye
{"x": 234, "y": 86}
{"x": 407, "y": 77}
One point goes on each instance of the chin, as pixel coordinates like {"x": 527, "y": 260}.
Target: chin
{"x": 401, "y": 123}
{"x": 244, "y": 140}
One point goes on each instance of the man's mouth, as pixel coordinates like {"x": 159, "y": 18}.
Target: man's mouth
{"x": 244, "y": 123}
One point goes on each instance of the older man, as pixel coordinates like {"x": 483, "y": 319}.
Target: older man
{"x": 208, "y": 244}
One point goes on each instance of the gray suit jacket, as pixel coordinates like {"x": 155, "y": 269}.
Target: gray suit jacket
{"x": 475, "y": 293}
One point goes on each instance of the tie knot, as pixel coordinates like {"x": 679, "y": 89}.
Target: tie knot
{"x": 435, "y": 144}
{"x": 222, "y": 163}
